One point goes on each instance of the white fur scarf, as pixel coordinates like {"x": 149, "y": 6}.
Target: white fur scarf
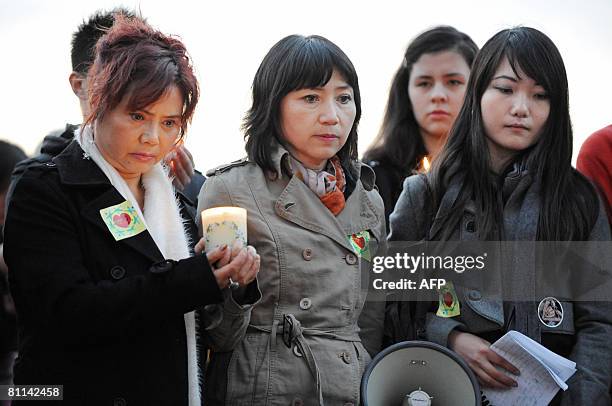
{"x": 164, "y": 223}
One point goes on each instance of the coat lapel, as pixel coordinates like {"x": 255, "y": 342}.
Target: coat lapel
{"x": 446, "y": 206}
{"x": 359, "y": 214}
{"x": 77, "y": 170}
{"x": 142, "y": 243}
{"x": 299, "y": 205}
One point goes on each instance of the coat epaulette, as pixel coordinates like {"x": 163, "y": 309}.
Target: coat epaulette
{"x": 37, "y": 164}
{"x": 223, "y": 168}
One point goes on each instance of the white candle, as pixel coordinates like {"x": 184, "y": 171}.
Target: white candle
{"x": 224, "y": 225}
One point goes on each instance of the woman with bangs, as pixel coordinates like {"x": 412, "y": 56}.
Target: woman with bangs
{"x": 100, "y": 251}
{"x": 313, "y": 215}
{"x": 505, "y": 174}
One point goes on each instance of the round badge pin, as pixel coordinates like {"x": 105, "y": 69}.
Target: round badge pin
{"x": 550, "y": 312}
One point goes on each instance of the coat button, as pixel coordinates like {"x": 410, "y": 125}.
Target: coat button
{"x": 421, "y": 333}
{"x": 307, "y": 254}
{"x": 297, "y": 402}
{"x": 346, "y": 357}
{"x": 117, "y": 272}
{"x": 305, "y": 303}
{"x": 474, "y": 295}
{"x": 119, "y": 402}
{"x": 272, "y": 175}
{"x": 351, "y": 258}
{"x": 470, "y": 226}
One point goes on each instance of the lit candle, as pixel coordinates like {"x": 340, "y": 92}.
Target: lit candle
{"x": 425, "y": 165}
{"x": 224, "y": 225}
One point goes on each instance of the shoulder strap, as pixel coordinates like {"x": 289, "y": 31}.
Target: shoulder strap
{"x": 226, "y": 167}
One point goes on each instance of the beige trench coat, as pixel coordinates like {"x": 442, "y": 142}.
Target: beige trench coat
{"x": 310, "y": 277}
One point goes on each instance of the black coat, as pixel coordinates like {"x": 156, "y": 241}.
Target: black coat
{"x": 389, "y": 182}
{"x": 102, "y": 317}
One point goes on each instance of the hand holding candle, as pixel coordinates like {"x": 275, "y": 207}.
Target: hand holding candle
{"x": 239, "y": 265}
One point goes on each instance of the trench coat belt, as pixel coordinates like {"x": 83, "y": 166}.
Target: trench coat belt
{"x": 296, "y": 336}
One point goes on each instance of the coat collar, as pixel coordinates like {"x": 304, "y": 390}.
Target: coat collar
{"x": 298, "y": 204}
{"x": 520, "y": 197}
{"x": 280, "y": 157}
{"x": 76, "y": 169}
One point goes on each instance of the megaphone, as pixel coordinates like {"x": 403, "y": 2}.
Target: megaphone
{"x": 419, "y": 373}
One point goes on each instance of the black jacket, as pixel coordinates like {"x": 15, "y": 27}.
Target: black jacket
{"x": 389, "y": 181}
{"x": 102, "y": 317}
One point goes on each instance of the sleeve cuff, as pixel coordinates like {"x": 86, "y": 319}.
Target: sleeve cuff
{"x": 249, "y": 297}
{"x": 438, "y": 328}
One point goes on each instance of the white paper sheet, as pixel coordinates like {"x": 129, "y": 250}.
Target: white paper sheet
{"x": 542, "y": 372}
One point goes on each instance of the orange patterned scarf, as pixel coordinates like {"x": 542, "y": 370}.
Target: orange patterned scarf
{"x": 325, "y": 184}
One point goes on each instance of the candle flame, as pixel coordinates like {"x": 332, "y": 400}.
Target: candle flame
{"x": 425, "y": 165}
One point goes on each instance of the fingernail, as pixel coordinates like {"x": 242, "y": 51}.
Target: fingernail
{"x": 223, "y": 247}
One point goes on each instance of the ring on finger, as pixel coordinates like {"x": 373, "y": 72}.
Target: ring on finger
{"x": 233, "y": 285}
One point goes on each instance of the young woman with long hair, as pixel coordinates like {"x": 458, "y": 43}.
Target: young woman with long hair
{"x": 424, "y": 99}
{"x": 505, "y": 174}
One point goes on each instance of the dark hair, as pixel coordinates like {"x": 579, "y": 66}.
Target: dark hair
{"x": 296, "y": 62}
{"x": 568, "y": 201}
{"x": 84, "y": 39}
{"x": 134, "y": 60}
{"x": 399, "y": 141}
{"x": 10, "y": 155}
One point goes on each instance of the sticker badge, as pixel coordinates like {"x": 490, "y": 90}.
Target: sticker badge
{"x": 550, "y": 312}
{"x": 448, "y": 303}
{"x": 361, "y": 244}
{"x": 122, "y": 220}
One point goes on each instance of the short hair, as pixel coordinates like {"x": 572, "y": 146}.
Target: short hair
{"x": 83, "y": 44}
{"x": 296, "y": 62}
{"x": 568, "y": 201}
{"x": 136, "y": 61}
{"x": 10, "y": 155}
{"x": 399, "y": 141}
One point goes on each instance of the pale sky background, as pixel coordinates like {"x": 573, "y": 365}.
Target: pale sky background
{"x": 227, "y": 41}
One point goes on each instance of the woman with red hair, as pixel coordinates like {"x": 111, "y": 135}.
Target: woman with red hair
{"x": 103, "y": 270}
